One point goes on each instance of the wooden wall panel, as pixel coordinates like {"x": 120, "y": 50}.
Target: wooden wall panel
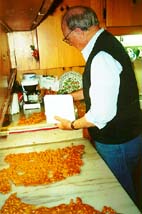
{"x": 20, "y": 51}
{"x": 4, "y": 52}
{"x": 53, "y": 51}
{"x": 4, "y": 70}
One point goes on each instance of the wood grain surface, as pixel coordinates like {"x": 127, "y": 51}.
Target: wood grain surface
{"x": 96, "y": 185}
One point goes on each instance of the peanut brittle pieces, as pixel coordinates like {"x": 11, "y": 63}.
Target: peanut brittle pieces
{"x": 45, "y": 167}
{"x": 14, "y": 205}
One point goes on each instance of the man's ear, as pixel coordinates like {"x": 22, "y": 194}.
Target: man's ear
{"x": 78, "y": 30}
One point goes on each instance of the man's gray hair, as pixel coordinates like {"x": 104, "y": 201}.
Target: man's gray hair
{"x": 80, "y": 17}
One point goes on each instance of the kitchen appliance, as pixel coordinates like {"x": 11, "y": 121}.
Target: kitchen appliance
{"x": 30, "y": 91}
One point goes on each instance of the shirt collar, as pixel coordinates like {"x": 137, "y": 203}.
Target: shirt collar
{"x": 88, "y": 48}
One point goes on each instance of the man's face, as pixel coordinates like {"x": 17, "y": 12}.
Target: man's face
{"x": 73, "y": 37}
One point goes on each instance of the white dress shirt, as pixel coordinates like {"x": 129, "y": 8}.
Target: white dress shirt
{"x": 105, "y": 82}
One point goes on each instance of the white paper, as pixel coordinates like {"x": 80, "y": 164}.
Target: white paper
{"x": 59, "y": 105}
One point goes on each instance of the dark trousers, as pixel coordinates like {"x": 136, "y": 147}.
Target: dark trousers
{"x": 123, "y": 160}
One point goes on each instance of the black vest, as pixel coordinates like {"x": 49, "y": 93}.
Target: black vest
{"x": 126, "y": 125}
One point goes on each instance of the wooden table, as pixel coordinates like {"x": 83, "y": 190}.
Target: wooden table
{"x": 96, "y": 185}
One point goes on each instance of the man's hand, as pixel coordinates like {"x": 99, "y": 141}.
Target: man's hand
{"x": 63, "y": 123}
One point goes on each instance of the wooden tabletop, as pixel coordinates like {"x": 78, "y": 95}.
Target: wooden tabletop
{"x": 95, "y": 185}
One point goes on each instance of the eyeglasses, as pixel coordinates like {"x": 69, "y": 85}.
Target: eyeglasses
{"x": 66, "y": 39}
